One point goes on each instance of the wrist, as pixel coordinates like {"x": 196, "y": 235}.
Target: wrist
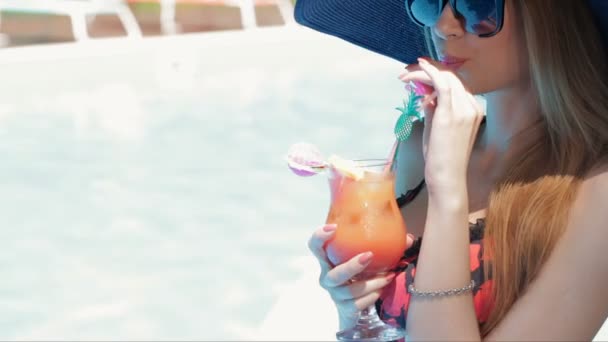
{"x": 438, "y": 186}
{"x": 440, "y": 179}
{"x": 448, "y": 197}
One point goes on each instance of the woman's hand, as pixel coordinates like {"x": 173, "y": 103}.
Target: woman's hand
{"x": 350, "y": 297}
{"x": 452, "y": 119}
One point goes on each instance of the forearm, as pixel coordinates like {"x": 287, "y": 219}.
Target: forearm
{"x": 444, "y": 263}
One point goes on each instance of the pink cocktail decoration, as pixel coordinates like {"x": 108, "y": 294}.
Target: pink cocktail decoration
{"x": 305, "y": 159}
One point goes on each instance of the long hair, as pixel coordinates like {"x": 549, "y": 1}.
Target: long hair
{"x": 529, "y": 207}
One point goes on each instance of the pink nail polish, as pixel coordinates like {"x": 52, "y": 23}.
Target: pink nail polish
{"x": 330, "y": 228}
{"x": 365, "y": 258}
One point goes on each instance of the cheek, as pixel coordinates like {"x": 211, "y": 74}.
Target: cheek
{"x": 497, "y": 68}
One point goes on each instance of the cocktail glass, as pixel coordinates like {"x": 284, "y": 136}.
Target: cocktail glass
{"x": 368, "y": 219}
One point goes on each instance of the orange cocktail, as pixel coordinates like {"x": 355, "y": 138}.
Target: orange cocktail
{"x": 368, "y": 218}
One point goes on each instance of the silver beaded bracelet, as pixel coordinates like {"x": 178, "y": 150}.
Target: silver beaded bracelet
{"x": 412, "y": 290}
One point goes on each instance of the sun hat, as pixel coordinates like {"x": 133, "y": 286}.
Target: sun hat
{"x": 383, "y": 26}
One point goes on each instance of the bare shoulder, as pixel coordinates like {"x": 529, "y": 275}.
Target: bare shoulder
{"x": 598, "y": 173}
{"x": 595, "y": 184}
{"x": 590, "y": 203}
{"x": 410, "y": 160}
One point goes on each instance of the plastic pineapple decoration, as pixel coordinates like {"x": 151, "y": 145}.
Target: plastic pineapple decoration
{"x": 410, "y": 112}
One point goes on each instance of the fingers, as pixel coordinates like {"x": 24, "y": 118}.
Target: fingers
{"x": 427, "y": 72}
{"x": 441, "y": 83}
{"x": 351, "y": 308}
{"x": 354, "y": 306}
{"x": 410, "y": 240}
{"x": 318, "y": 240}
{"x": 343, "y": 273}
{"x": 475, "y": 103}
{"x": 429, "y": 103}
{"x": 437, "y": 70}
{"x": 449, "y": 90}
{"x": 361, "y": 288}
{"x": 478, "y": 112}
{"x": 360, "y": 295}
{"x": 417, "y": 75}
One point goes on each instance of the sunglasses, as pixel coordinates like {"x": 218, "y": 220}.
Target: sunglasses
{"x": 481, "y": 17}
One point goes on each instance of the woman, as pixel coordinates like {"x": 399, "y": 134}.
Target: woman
{"x": 514, "y": 198}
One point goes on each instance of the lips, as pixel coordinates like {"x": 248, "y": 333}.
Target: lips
{"x": 447, "y": 59}
{"x": 452, "y": 62}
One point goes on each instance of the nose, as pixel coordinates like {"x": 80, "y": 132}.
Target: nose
{"x": 449, "y": 26}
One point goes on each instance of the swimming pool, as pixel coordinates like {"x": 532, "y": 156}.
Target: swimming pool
{"x": 144, "y": 193}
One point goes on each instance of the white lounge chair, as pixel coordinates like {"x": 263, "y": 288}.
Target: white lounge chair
{"x": 247, "y": 7}
{"x": 79, "y": 11}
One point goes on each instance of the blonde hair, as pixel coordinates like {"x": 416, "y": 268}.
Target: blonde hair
{"x": 528, "y": 208}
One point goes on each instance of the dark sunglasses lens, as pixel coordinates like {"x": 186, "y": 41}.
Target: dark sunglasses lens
{"x": 425, "y": 12}
{"x": 480, "y": 16}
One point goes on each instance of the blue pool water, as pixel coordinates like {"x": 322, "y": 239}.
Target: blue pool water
{"x": 144, "y": 195}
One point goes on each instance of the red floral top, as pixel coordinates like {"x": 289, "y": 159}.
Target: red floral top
{"x": 394, "y": 301}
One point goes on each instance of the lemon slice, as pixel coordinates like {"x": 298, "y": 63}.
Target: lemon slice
{"x": 347, "y": 167}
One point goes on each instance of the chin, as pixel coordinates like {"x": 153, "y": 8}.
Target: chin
{"x": 475, "y": 86}
{"x": 468, "y": 82}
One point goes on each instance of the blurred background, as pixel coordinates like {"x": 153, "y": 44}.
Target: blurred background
{"x": 26, "y": 22}
{"x": 144, "y": 193}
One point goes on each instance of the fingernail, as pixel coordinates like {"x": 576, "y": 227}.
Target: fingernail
{"x": 330, "y": 227}
{"x": 422, "y": 61}
{"x": 411, "y": 236}
{"x": 426, "y": 101}
{"x": 390, "y": 277}
{"x": 365, "y": 258}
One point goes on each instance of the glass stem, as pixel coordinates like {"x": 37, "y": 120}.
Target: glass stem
{"x": 369, "y": 317}
{"x": 370, "y": 327}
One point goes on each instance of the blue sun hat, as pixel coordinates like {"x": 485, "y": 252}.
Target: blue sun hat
{"x": 383, "y": 26}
